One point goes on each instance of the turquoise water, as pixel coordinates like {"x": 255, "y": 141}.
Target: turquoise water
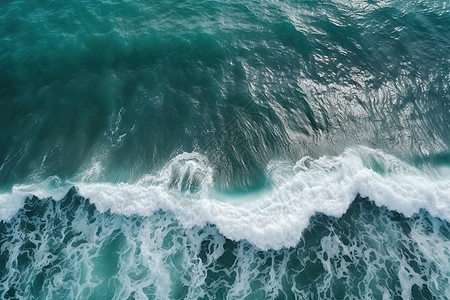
{"x": 225, "y": 149}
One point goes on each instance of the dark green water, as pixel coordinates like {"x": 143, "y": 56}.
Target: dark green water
{"x": 224, "y": 149}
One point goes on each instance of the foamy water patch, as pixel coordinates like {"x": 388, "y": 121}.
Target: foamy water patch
{"x": 11, "y": 202}
{"x": 274, "y": 218}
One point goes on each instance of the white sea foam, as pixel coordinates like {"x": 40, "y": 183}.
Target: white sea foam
{"x": 276, "y": 218}
{"x": 11, "y": 202}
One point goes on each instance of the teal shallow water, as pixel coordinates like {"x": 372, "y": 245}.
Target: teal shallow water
{"x": 207, "y": 134}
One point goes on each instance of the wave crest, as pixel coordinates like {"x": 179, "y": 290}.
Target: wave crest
{"x": 275, "y": 218}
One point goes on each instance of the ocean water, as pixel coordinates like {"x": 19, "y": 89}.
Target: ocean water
{"x": 225, "y": 149}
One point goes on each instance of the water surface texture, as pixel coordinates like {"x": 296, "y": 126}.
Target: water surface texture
{"x": 225, "y": 149}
